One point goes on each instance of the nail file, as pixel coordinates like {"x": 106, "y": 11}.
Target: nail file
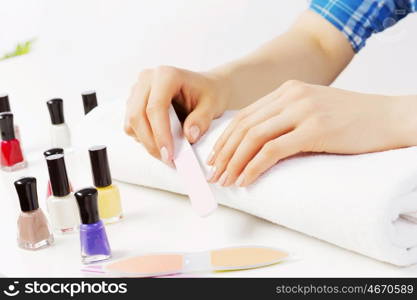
{"x": 189, "y": 170}
{"x": 163, "y": 264}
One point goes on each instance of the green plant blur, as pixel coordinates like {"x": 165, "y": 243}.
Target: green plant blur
{"x": 21, "y": 49}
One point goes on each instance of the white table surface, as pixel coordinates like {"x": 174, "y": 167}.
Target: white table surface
{"x": 156, "y": 220}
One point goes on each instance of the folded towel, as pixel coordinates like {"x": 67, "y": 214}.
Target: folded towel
{"x": 365, "y": 203}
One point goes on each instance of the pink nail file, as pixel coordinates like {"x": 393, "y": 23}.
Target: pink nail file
{"x": 189, "y": 170}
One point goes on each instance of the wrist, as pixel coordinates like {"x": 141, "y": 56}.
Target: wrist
{"x": 405, "y": 117}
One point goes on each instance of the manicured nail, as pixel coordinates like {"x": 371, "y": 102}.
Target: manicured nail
{"x": 210, "y": 157}
{"x": 194, "y": 133}
{"x": 223, "y": 178}
{"x": 240, "y": 180}
{"x": 164, "y": 155}
{"x": 211, "y": 173}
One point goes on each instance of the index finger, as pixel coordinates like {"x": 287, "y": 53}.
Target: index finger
{"x": 164, "y": 88}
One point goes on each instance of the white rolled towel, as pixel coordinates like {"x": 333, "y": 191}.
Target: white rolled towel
{"x": 365, "y": 203}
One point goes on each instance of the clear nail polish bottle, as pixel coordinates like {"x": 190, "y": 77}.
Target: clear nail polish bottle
{"x": 62, "y": 206}
{"x": 11, "y": 155}
{"x": 47, "y": 153}
{"x": 109, "y": 203}
{"x": 60, "y": 133}
{"x": 33, "y": 228}
{"x": 89, "y": 101}
{"x": 5, "y": 107}
{"x": 93, "y": 238}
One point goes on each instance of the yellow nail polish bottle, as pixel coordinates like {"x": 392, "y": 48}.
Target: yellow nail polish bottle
{"x": 109, "y": 204}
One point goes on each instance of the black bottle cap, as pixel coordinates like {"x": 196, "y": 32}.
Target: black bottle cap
{"x": 27, "y": 192}
{"x": 100, "y": 166}
{"x": 4, "y": 103}
{"x": 58, "y": 175}
{"x": 53, "y": 151}
{"x": 87, "y": 204}
{"x": 6, "y": 126}
{"x": 56, "y": 111}
{"x": 89, "y": 101}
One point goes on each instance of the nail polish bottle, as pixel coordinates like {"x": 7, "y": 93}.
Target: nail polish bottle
{"x": 89, "y": 101}
{"x": 11, "y": 156}
{"x": 60, "y": 134}
{"x": 33, "y": 228}
{"x": 49, "y": 153}
{"x": 62, "y": 206}
{"x": 109, "y": 203}
{"x": 94, "y": 243}
{"x": 5, "y": 107}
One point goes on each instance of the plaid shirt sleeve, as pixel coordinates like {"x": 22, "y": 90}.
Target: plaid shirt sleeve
{"x": 358, "y": 19}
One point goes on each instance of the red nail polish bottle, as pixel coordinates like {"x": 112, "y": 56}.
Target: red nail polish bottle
{"x": 11, "y": 156}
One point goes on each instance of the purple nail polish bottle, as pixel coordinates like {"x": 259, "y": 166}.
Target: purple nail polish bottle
{"x": 94, "y": 243}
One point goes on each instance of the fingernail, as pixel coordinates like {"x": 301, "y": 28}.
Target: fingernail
{"x": 194, "y": 133}
{"x": 164, "y": 155}
{"x": 223, "y": 178}
{"x": 210, "y": 157}
{"x": 240, "y": 180}
{"x": 211, "y": 173}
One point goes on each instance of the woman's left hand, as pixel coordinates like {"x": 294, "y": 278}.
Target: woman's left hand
{"x": 299, "y": 117}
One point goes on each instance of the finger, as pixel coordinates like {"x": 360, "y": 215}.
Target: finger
{"x": 164, "y": 88}
{"x": 129, "y": 113}
{"x": 242, "y": 114}
{"x": 133, "y": 102}
{"x": 136, "y": 123}
{"x": 141, "y": 127}
{"x": 291, "y": 85}
{"x": 253, "y": 142}
{"x": 272, "y": 152}
{"x": 225, "y": 153}
{"x": 198, "y": 121}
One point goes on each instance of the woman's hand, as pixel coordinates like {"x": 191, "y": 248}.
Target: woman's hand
{"x": 201, "y": 96}
{"x": 299, "y": 117}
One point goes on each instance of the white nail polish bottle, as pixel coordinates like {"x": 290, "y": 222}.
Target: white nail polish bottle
{"x": 60, "y": 134}
{"x": 62, "y": 205}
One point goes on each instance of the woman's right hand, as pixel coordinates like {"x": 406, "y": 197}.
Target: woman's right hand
{"x": 201, "y": 96}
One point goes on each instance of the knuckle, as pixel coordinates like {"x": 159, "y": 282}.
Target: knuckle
{"x": 292, "y": 83}
{"x": 240, "y": 116}
{"x": 252, "y": 170}
{"x": 167, "y": 71}
{"x": 132, "y": 120}
{"x": 310, "y": 104}
{"x": 241, "y": 131}
{"x": 300, "y": 89}
{"x": 254, "y": 134}
{"x": 127, "y": 129}
{"x": 221, "y": 161}
{"x": 320, "y": 121}
{"x": 153, "y": 108}
{"x": 144, "y": 74}
{"x": 153, "y": 151}
{"x": 269, "y": 149}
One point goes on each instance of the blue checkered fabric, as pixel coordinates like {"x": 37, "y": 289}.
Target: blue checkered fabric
{"x": 359, "y": 19}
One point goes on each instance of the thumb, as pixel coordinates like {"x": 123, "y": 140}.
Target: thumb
{"x": 197, "y": 122}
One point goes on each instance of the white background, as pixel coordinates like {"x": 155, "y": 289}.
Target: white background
{"x": 102, "y": 45}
